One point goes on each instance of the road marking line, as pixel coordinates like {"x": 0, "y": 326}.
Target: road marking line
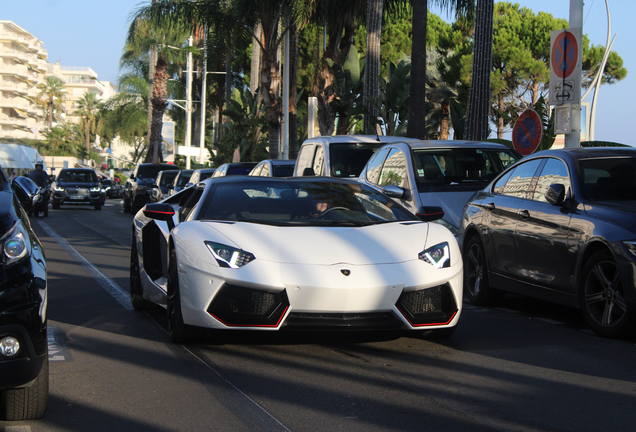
{"x": 111, "y": 287}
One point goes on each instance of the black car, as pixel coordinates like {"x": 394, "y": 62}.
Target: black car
{"x": 181, "y": 180}
{"x": 77, "y": 186}
{"x": 235, "y": 168}
{"x": 108, "y": 188}
{"x": 274, "y": 168}
{"x": 24, "y": 367}
{"x": 163, "y": 184}
{"x": 561, "y": 226}
{"x": 138, "y": 186}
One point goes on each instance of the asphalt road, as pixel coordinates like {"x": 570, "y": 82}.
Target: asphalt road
{"x": 525, "y": 366}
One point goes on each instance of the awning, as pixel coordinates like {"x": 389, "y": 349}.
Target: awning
{"x": 20, "y": 113}
{"x": 14, "y": 156}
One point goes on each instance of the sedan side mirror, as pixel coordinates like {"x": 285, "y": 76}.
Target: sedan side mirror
{"x": 555, "y": 194}
{"x": 393, "y": 191}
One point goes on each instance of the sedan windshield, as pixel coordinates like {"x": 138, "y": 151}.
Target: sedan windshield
{"x": 609, "y": 179}
{"x": 459, "y": 167}
{"x": 299, "y": 202}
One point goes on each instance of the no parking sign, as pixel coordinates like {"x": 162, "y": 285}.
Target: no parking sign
{"x": 527, "y": 132}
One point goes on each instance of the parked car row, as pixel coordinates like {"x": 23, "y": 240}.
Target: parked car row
{"x": 557, "y": 225}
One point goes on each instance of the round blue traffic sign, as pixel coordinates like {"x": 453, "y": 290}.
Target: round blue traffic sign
{"x": 527, "y": 132}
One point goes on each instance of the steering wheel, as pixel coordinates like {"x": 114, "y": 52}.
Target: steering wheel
{"x": 332, "y": 209}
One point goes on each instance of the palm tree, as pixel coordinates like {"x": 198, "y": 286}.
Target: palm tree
{"x": 340, "y": 18}
{"x": 142, "y": 37}
{"x": 88, "y": 110}
{"x": 416, "y": 127}
{"x": 479, "y": 97}
{"x": 52, "y": 96}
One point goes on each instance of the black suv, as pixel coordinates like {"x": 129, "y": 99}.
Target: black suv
{"x": 138, "y": 186}
{"x": 76, "y": 186}
{"x": 24, "y": 367}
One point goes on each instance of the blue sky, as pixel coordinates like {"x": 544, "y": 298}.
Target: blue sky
{"x": 91, "y": 33}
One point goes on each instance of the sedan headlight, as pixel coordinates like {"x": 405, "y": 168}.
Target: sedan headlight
{"x": 15, "y": 245}
{"x": 96, "y": 189}
{"x": 631, "y": 247}
{"x": 227, "y": 256}
{"x": 438, "y": 256}
{"x": 59, "y": 189}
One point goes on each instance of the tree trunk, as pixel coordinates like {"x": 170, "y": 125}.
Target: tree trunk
{"x": 372, "y": 67}
{"x": 479, "y": 97}
{"x": 443, "y": 135}
{"x": 416, "y": 127}
{"x": 256, "y": 59}
{"x": 87, "y": 131}
{"x": 159, "y": 104}
{"x": 500, "y": 119}
{"x": 293, "y": 90}
{"x": 51, "y": 114}
{"x": 270, "y": 85}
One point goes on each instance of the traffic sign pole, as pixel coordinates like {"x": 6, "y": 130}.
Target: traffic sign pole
{"x": 573, "y": 139}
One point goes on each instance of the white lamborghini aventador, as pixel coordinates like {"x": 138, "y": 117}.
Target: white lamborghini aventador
{"x": 298, "y": 253}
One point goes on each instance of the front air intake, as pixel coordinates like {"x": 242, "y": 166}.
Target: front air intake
{"x": 240, "y": 306}
{"x": 427, "y": 307}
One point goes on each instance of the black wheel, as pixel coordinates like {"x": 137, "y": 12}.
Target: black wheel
{"x": 179, "y": 332}
{"x": 29, "y": 402}
{"x": 126, "y": 205}
{"x": 55, "y": 205}
{"x": 46, "y": 211}
{"x": 476, "y": 285}
{"x": 98, "y": 206}
{"x": 30, "y": 213}
{"x": 602, "y": 299}
{"x": 136, "y": 291}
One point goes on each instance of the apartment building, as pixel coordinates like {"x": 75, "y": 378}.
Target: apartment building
{"x": 23, "y": 66}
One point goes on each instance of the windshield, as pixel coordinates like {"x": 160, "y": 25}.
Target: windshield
{"x": 348, "y": 159}
{"x": 301, "y": 203}
{"x": 168, "y": 177}
{"x": 205, "y": 174}
{"x": 239, "y": 169}
{"x": 459, "y": 168}
{"x": 78, "y": 176}
{"x": 609, "y": 179}
{"x": 283, "y": 170}
{"x": 184, "y": 178}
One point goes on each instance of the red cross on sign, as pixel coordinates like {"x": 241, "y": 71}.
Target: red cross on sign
{"x": 527, "y": 132}
{"x": 565, "y": 53}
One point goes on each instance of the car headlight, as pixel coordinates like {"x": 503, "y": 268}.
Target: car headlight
{"x": 227, "y": 256}
{"x": 631, "y": 247}
{"x": 15, "y": 245}
{"x": 95, "y": 189}
{"x": 438, "y": 256}
{"x": 59, "y": 189}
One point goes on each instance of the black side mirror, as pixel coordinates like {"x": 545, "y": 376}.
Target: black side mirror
{"x": 555, "y": 194}
{"x": 160, "y": 211}
{"x": 393, "y": 191}
{"x": 26, "y": 191}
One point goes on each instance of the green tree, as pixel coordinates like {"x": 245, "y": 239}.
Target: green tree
{"x": 162, "y": 35}
{"x": 52, "y": 97}
{"x": 245, "y": 130}
{"x": 416, "y": 127}
{"x": 89, "y": 111}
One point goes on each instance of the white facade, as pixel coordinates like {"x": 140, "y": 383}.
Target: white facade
{"x": 22, "y": 67}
